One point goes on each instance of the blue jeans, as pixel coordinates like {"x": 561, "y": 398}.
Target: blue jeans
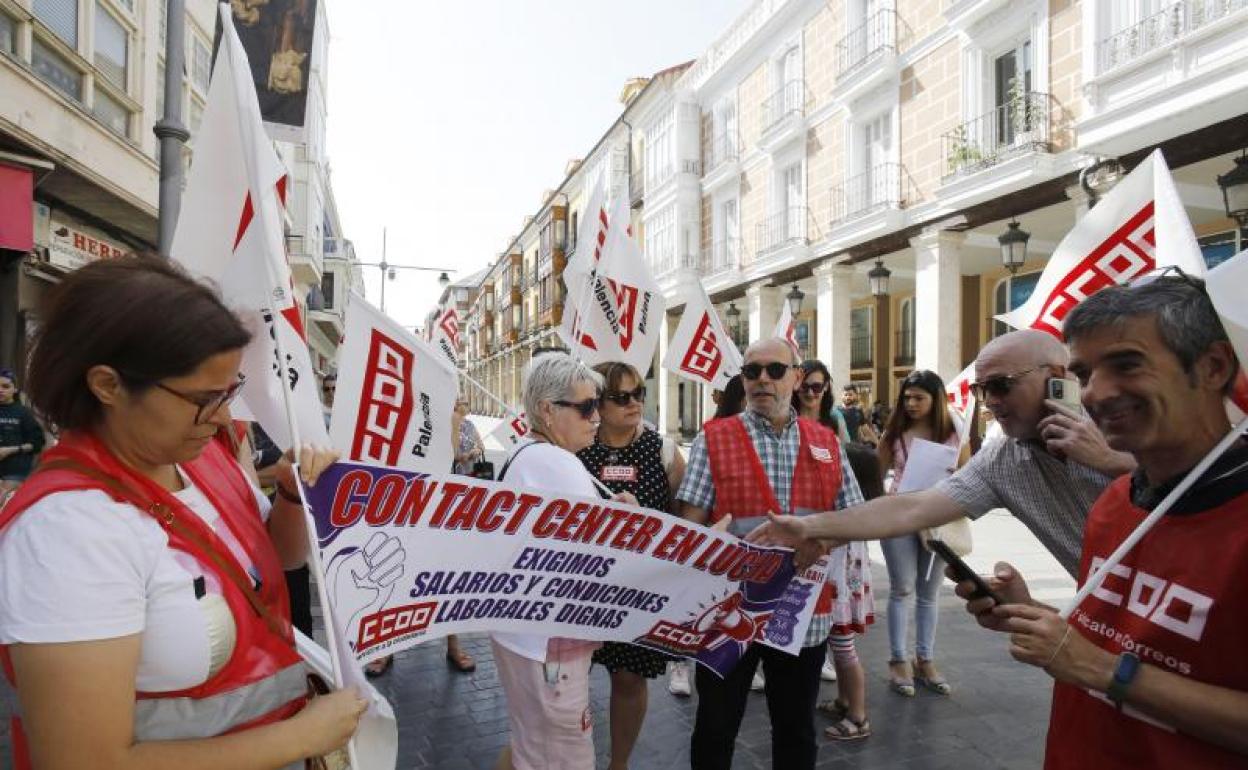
{"x": 908, "y": 574}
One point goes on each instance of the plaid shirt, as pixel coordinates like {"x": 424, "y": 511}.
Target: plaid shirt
{"x": 778, "y": 453}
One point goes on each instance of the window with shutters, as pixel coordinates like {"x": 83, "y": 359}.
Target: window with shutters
{"x": 112, "y": 46}
{"x": 60, "y": 16}
{"x": 201, "y": 64}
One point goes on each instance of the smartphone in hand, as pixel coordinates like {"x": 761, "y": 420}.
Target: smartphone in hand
{"x": 962, "y": 571}
{"x": 1065, "y": 392}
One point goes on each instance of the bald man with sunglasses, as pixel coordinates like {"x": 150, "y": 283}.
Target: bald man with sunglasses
{"x": 1048, "y": 470}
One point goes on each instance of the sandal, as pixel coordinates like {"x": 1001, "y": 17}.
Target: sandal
{"x": 835, "y": 708}
{"x": 461, "y": 661}
{"x": 902, "y": 685}
{"x": 937, "y": 684}
{"x": 848, "y": 730}
{"x": 378, "y": 667}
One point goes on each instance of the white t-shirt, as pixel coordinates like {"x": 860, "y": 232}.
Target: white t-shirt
{"x": 544, "y": 467}
{"x": 77, "y": 566}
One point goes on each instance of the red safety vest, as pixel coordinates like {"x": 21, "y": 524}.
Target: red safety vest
{"x": 743, "y": 489}
{"x": 265, "y": 679}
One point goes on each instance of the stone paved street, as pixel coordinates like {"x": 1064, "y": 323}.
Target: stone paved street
{"x": 995, "y": 718}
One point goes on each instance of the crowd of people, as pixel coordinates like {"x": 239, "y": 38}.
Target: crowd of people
{"x": 178, "y": 650}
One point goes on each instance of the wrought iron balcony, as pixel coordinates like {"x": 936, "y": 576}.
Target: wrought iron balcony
{"x": 883, "y": 186}
{"x": 723, "y": 148}
{"x": 875, "y": 36}
{"x": 673, "y": 261}
{"x": 1164, "y": 27}
{"x": 1019, "y": 126}
{"x": 783, "y": 228}
{"x": 788, "y": 100}
{"x": 722, "y": 256}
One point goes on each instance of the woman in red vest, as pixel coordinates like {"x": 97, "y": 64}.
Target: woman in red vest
{"x": 142, "y": 607}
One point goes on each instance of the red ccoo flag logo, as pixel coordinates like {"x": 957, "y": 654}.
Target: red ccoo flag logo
{"x": 450, "y": 326}
{"x": 385, "y": 402}
{"x": 703, "y": 357}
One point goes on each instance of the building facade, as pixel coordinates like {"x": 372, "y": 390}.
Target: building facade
{"x": 81, "y": 87}
{"x": 814, "y": 142}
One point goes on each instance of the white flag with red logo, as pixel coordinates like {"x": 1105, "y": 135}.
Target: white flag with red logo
{"x": 395, "y": 396}
{"x": 959, "y": 390}
{"x": 700, "y": 349}
{"x": 511, "y": 429}
{"x": 620, "y": 305}
{"x": 786, "y": 329}
{"x": 445, "y": 334}
{"x": 230, "y": 231}
{"x": 1139, "y": 226}
{"x": 1225, "y": 285}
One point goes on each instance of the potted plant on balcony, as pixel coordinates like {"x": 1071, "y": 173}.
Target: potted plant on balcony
{"x": 963, "y": 151}
{"x": 1019, "y": 117}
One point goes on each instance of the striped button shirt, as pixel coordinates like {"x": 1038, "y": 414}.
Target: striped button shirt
{"x": 1050, "y": 496}
{"x": 778, "y": 453}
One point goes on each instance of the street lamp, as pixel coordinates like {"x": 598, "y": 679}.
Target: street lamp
{"x": 1234, "y": 184}
{"x": 733, "y": 317}
{"x": 878, "y": 276}
{"x": 1013, "y": 247}
{"x": 794, "y": 298}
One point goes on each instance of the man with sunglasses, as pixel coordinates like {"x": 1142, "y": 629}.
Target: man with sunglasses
{"x": 766, "y": 459}
{"x": 1049, "y": 469}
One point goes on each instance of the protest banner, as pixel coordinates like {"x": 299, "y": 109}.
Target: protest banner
{"x": 700, "y": 349}
{"x": 511, "y": 430}
{"x": 410, "y": 557}
{"x": 395, "y": 395}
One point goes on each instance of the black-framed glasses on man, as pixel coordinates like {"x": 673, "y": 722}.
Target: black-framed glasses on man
{"x": 775, "y": 370}
{"x": 208, "y": 402}
{"x": 584, "y": 408}
{"x": 1001, "y": 385}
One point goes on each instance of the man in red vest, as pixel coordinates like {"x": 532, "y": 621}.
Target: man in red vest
{"x": 1150, "y": 670}
{"x": 766, "y": 459}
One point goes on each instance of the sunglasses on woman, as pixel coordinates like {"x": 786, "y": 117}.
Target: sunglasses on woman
{"x": 775, "y": 370}
{"x": 208, "y": 402}
{"x": 1000, "y": 387}
{"x": 622, "y": 397}
{"x": 813, "y": 388}
{"x": 584, "y": 408}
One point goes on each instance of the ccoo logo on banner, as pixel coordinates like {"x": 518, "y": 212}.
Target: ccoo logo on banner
{"x": 700, "y": 350}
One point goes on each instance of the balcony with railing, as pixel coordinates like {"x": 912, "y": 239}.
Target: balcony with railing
{"x": 883, "y": 187}
{"x": 1018, "y": 127}
{"x": 781, "y": 229}
{"x": 1159, "y": 30}
{"x": 722, "y": 149}
{"x": 782, "y": 115}
{"x": 673, "y": 261}
{"x": 904, "y": 350}
{"x": 722, "y": 256}
{"x": 871, "y": 43}
{"x": 860, "y": 350}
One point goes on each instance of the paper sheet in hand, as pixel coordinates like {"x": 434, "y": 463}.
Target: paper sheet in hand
{"x": 926, "y": 463}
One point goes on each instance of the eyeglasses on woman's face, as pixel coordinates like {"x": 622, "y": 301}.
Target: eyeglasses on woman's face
{"x": 208, "y": 402}
{"x": 623, "y": 397}
{"x": 814, "y": 388}
{"x": 584, "y": 408}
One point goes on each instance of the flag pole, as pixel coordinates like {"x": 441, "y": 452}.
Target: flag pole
{"x": 1095, "y": 579}
{"x": 332, "y": 635}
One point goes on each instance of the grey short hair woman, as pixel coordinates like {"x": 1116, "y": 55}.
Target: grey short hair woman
{"x": 547, "y": 680}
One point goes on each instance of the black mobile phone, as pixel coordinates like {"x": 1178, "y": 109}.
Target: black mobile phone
{"x": 962, "y": 571}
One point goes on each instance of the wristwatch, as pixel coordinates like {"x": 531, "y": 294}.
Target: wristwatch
{"x": 1124, "y": 673}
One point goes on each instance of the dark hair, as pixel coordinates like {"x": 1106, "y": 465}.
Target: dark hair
{"x": 732, "y": 399}
{"x": 613, "y": 372}
{"x": 1187, "y": 321}
{"x": 939, "y": 420}
{"x": 809, "y": 367}
{"x": 141, "y": 315}
{"x": 849, "y": 388}
{"x": 865, "y": 464}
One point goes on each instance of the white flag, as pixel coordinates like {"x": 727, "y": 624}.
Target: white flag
{"x": 700, "y": 349}
{"x": 445, "y": 334}
{"x": 1139, "y": 226}
{"x": 230, "y": 231}
{"x": 395, "y": 396}
{"x": 1226, "y": 285}
{"x": 591, "y": 236}
{"x": 786, "y": 329}
{"x": 511, "y": 429}
{"x": 959, "y": 390}
{"x": 589, "y": 316}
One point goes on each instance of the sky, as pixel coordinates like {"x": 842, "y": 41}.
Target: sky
{"x": 447, "y": 120}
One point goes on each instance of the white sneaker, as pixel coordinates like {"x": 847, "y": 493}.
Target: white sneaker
{"x": 759, "y": 682}
{"x": 678, "y": 680}
{"x": 828, "y": 674}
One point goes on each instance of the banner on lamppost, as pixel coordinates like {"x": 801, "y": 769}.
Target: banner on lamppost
{"x": 279, "y": 37}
